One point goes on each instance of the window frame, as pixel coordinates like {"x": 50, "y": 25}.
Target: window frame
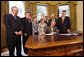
{"x": 38, "y": 4}
{"x": 64, "y": 5}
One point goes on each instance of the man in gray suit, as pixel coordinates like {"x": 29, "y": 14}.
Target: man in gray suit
{"x": 52, "y": 29}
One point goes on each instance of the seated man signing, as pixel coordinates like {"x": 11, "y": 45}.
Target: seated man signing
{"x": 52, "y": 29}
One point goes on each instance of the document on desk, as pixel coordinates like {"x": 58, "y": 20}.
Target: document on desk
{"x": 49, "y": 34}
{"x": 69, "y": 34}
{"x": 66, "y": 34}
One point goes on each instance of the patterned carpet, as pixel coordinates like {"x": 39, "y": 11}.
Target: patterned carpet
{"x": 5, "y": 51}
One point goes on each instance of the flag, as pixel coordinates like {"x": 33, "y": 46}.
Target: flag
{"x": 30, "y": 17}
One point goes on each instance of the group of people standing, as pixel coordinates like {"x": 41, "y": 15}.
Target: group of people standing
{"x": 17, "y": 27}
{"x": 51, "y": 26}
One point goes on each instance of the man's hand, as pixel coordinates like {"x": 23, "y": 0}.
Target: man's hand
{"x": 52, "y": 33}
{"x": 68, "y": 30}
{"x": 25, "y": 34}
{"x": 16, "y": 33}
{"x": 20, "y": 32}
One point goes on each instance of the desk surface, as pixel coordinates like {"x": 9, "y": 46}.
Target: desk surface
{"x": 43, "y": 41}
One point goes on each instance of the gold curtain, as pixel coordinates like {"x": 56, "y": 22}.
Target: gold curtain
{"x": 26, "y": 5}
{"x": 33, "y": 8}
{"x": 52, "y": 9}
{"x": 4, "y": 10}
{"x": 49, "y": 10}
{"x": 56, "y": 11}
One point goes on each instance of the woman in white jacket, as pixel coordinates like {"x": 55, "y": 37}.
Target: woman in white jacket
{"x": 42, "y": 26}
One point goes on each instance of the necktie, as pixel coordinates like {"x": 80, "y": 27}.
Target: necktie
{"x": 14, "y": 17}
{"x": 62, "y": 20}
{"x": 52, "y": 29}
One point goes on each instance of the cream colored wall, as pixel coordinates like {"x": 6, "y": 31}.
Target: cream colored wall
{"x": 80, "y": 16}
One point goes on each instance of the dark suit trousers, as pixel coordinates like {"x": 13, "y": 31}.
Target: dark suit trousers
{"x": 12, "y": 43}
{"x": 25, "y": 38}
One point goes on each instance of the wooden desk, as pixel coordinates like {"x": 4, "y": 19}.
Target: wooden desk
{"x": 41, "y": 45}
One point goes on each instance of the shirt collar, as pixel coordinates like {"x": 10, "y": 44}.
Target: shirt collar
{"x": 28, "y": 20}
{"x": 12, "y": 14}
{"x": 64, "y": 17}
{"x": 52, "y": 27}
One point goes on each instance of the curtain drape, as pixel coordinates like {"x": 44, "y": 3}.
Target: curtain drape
{"x": 4, "y": 10}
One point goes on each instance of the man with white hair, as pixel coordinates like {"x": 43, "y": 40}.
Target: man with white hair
{"x": 53, "y": 19}
{"x": 13, "y": 31}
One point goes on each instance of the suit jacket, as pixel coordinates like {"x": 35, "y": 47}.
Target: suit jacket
{"x": 46, "y": 22}
{"x": 12, "y": 25}
{"x": 49, "y": 30}
{"x": 63, "y": 27}
{"x": 49, "y": 23}
{"x": 27, "y": 26}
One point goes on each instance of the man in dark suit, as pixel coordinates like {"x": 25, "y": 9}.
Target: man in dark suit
{"x": 27, "y": 29}
{"x": 13, "y": 31}
{"x": 64, "y": 23}
{"x": 53, "y": 19}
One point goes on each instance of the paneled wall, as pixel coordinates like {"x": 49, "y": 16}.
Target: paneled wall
{"x": 79, "y": 16}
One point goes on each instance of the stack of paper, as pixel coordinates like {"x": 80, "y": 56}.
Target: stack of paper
{"x": 49, "y": 34}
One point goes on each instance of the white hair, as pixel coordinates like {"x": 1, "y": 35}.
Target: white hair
{"x": 13, "y": 8}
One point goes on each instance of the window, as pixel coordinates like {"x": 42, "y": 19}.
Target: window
{"x": 20, "y": 5}
{"x": 41, "y": 9}
{"x": 64, "y": 7}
